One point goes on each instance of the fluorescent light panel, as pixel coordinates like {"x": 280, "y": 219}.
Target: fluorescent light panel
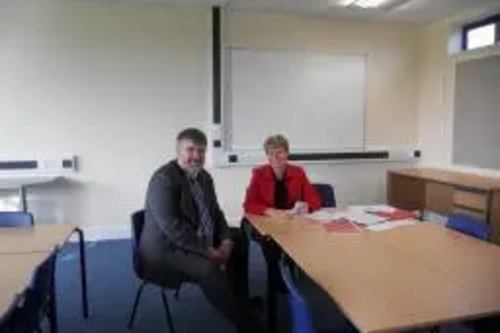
{"x": 363, "y": 3}
{"x": 370, "y": 3}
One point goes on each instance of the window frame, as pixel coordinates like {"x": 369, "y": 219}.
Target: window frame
{"x": 494, "y": 19}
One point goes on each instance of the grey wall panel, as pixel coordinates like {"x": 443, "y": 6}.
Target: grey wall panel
{"x": 477, "y": 113}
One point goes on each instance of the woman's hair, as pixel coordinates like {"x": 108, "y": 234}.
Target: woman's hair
{"x": 276, "y": 141}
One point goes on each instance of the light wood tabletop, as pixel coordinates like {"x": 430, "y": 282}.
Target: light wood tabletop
{"x": 408, "y": 277}
{"x": 17, "y": 270}
{"x": 452, "y": 177}
{"x": 40, "y": 240}
{"x": 43, "y": 237}
{"x": 471, "y": 264}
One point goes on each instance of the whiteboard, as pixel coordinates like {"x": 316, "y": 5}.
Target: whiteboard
{"x": 316, "y": 100}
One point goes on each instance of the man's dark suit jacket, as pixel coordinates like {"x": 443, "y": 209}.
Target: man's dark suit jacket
{"x": 171, "y": 219}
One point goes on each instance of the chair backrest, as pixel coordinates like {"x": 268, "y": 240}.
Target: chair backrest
{"x": 326, "y": 194}
{"x": 36, "y": 297}
{"x": 16, "y": 219}
{"x": 470, "y": 226}
{"x": 7, "y": 316}
{"x": 137, "y": 223}
{"x": 300, "y": 313}
{"x": 137, "y": 220}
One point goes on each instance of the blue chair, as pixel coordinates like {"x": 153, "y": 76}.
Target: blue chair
{"x": 301, "y": 315}
{"x": 326, "y": 194}
{"x": 469, "y": 226}
{"x": 302, "y": 321}
{"x": 39, "y": 300}
{"x": 16, "y": 219}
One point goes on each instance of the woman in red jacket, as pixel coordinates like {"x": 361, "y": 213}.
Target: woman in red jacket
{"x": 274, "y": 190}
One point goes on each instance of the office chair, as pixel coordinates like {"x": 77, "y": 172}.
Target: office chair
{"x": 137, "y": 221}
{"x": 300, "y": 313}
{"x": 301, "y": 316}
{"x": 39, "y": 300}
{"x": 469, "y": 226}
{"x": 16, "y": 219}
{"x": 326, "y": 194}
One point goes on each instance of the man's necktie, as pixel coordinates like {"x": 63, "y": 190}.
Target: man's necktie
{"x": 206, "y": 230}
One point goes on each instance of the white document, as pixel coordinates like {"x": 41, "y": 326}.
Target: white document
{"x": 373, "y": 208}
{"x": 390, "y": 225}
{"x": 355, "y": 215}
{"x": 324, "y": 215}
{"x": 359, "y": 217}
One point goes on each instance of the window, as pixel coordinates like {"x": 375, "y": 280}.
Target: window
{"x": 482, "y": 33}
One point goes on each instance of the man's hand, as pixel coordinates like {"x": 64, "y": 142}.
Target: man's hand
{"x": 217, "y": 256}
{"x": 226, "y": 247}
{"x": 222, "y": 254}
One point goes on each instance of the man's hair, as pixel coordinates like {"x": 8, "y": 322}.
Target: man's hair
{"x": 276, "y": 141}
{"x": 193, "y": 134}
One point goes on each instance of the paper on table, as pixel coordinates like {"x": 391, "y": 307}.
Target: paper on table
{"x": 322, "y": 215}
{"x": 373, "y": 208}
{"x": 359, "y": 217}
{"x": 390, "y": 225}
{"x": 356, "y": 216}
{"x": 341, "y": 226}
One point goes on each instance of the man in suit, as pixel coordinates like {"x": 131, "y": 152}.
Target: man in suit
{"x": 186, "y": 233}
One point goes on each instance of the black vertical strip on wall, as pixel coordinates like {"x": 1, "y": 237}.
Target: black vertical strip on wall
{"x": 216, "y": 65}
{"x": 18, "y": 165}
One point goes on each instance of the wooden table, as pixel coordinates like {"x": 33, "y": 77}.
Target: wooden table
{"x": 445, "y": 192}
{"x": 39, "y": 238}
{"x": 410, "y": 277}
{"x": 38, "y": 241}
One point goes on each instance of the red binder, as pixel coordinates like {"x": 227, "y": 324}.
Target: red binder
{"x": 341, "y": 226}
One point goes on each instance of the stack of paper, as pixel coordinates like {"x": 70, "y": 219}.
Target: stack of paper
{"x": 353, "y": 215}
{"x": 390, "y": 225}
{"x": 359, "y": 217}
{"x": 322, "y": 215}
{"x": 373, "y": 209}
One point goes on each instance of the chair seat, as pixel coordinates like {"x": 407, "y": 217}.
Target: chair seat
{"x": 149, "y": 272}
{"x": 172, "y": 282}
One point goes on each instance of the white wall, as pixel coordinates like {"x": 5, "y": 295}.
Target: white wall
{"x": 113, "y": 83}
{"x": 437, "y": 89}
{"x": 110, "y": 83}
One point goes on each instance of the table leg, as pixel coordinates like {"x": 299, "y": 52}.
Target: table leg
{"x": 83, "y": 272}
{"x": 272, "y": 306}
{"x": 22, "y": 198}
{"x": 52, "y": 308}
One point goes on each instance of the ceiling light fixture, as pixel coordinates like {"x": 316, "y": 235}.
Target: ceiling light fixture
{"x": 369, "y": 4}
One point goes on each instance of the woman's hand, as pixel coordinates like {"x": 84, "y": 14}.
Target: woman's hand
{"x": 277, "y": 213}
{"x": 300, "y": 208}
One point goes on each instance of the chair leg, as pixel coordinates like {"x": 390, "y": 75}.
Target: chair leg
{"x": 177, "y": 294}
{"x": 83, "y": 272}
{"x": 168, "y": 314}
{"x": 136, "y": 304}
{"x": 52, "y": 308}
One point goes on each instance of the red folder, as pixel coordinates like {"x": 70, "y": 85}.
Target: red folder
{"x": 398, "y": 214}
{"x": 341, "y": 226}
